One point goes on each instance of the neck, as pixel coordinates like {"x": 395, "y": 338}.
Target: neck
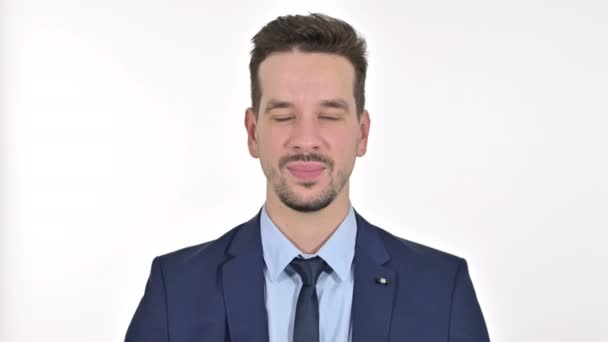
{"x": 308, "y": 231}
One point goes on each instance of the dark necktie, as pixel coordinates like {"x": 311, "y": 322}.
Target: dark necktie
{"x": 306, "y": 327}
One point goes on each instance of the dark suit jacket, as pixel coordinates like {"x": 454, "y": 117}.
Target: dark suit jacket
{"x": 215, "y": 292}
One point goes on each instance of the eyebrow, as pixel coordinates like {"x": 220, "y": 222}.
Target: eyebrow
{"x": 335, "y": 103}
{"x": 276, "y": 104}
{"x": 332, "y": 103}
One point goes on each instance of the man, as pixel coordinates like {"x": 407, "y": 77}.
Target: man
{"x": 308, "y": 268}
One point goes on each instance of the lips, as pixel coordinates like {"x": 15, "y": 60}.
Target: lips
{"x": 306, "y": 171}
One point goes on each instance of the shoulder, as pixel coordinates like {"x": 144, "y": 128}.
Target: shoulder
{"x": 399, "y": 244}
{"x": 414, "y": 255}
{"x": 427, "y": 271}
{"x": 208, "y": 254}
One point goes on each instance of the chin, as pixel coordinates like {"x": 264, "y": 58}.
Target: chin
{"x": 306, "y": 201}
{"x": 307, "y": 206}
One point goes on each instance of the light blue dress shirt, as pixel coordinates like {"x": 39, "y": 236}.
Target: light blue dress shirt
{"x": 334, "y": 288}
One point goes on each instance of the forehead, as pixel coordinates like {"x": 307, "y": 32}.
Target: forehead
{"x": 296, "y": 74}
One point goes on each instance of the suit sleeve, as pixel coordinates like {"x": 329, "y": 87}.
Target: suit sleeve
{"x": 466, "y": 320}
{"x": 149, "y": 324}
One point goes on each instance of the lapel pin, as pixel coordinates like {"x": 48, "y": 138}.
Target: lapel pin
{"x": 382, "y": 281}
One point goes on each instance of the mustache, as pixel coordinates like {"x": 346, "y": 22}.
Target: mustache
{"x": 316, "y": 157}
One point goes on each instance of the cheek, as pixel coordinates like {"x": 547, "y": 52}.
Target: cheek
{"x": 344, "y": 148}
{"x": 344, "y": 141}
{"x": 270, "y": 146}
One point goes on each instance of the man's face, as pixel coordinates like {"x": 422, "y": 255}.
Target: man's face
{"x": 306, "y": 134}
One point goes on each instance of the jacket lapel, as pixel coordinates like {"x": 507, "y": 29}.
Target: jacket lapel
{"x": 372, "y": 300}
{"x": 243, "y": 283}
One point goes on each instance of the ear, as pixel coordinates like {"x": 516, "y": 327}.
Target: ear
{"x": 364, "y": 124}
{"x": 250, "y": 125}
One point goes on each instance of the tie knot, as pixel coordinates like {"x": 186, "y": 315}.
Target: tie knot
{"x": 309, "y": 269}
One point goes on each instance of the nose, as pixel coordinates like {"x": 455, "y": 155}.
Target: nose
{"x": 305, "y": 135}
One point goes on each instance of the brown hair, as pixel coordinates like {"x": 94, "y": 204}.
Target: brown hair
{"x": 311, "y": 33}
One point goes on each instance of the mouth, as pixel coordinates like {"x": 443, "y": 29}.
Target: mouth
{"x": 306, "y": 171}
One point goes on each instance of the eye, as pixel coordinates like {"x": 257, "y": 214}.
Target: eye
{"x": 329, "y": 117}
{"x": 282, "y": 118}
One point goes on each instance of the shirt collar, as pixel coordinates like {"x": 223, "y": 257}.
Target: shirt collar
{"x": 338, "y": 251}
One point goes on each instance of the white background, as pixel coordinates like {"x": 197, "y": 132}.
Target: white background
{"x": 122, "y": 138}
